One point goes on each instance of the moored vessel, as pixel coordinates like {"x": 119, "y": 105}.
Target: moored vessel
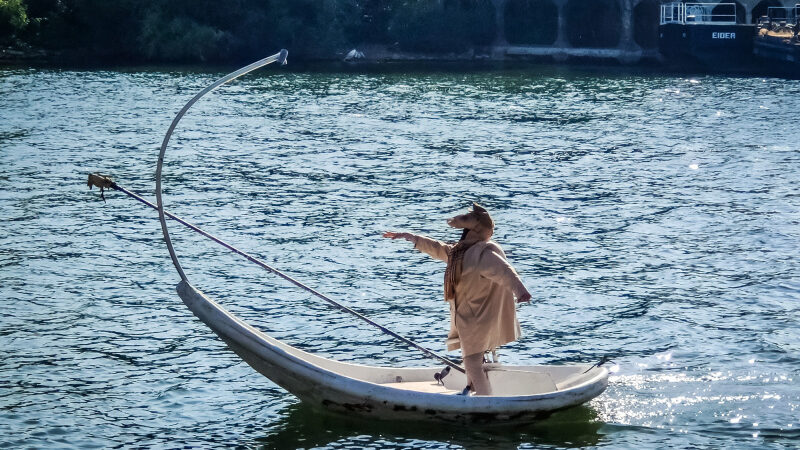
{"x": 705, "y": 34}
{"x": 778, "y": 36}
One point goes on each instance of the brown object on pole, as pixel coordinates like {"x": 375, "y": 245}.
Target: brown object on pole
{"x": 99, "y": 181}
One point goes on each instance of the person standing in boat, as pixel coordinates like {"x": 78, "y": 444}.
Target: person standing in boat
{"x": 480, "y": 285}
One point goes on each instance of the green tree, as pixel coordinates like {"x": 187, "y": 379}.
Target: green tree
{"x": 95, "y": 29}
{"x": 180, "y": 38}
{"x": 242, "y": 30}
{"x": 13, "y": 18}
{"x": 308, "y": 28}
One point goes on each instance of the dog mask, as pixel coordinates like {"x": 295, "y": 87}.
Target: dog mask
{"x": 477, "y": 220}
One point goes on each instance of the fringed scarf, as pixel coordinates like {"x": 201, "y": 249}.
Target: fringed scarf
{"x": 452, "y": 274}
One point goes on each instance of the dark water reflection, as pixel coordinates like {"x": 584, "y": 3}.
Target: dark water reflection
{"x": 654, "y": 218}
{"x": 307, "y": 428}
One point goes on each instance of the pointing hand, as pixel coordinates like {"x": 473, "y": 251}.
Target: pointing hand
{"x": 393, "y": 235}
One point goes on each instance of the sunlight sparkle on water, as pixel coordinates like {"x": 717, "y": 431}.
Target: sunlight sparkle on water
{"x": 664, "y": 269}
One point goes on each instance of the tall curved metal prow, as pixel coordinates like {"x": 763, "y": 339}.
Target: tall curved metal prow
{"x": 162, "y": 215}
{"x": 279, "y": 57}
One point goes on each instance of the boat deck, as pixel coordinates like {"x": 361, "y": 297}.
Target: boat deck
{"x": 430, "y": 387}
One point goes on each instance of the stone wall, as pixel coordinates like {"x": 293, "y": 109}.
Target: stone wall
{"x": 626, "y": 30}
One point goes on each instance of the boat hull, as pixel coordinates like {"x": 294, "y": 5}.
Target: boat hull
{"x": 389, "y": 393}
{"x": 779, "y": 48}
{"x": 707, "y": 45}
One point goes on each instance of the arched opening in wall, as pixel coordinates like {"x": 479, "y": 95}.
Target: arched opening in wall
{"x": 531, "y": 22}
{"x": 725, "y": 12}
{"x": 645, "y": 23}
{"x": 761, "y": 8}
{"x": 478, "y": 16}
{"x": 442, "y": 26}
{"x": 593, "y": 23}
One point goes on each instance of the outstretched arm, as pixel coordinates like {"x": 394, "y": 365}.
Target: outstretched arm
{"x": 434, "y": 248}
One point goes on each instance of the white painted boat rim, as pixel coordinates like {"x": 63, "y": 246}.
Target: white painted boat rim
{"x": 354, "y": 386}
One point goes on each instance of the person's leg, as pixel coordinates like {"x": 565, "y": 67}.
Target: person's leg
{"x": 476, "y": 376}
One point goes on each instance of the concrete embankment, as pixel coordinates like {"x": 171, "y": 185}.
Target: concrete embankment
{"x": 21, "y": 54}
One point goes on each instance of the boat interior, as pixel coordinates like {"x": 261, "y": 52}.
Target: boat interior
{"x": 505, "y": 380}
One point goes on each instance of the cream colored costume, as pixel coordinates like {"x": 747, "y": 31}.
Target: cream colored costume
{"x": 482, "y": 316}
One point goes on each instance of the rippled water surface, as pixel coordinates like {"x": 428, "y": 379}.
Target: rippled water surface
{"x": 654, "y": 218}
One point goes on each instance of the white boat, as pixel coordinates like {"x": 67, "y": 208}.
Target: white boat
{"x": 520, "y": 393}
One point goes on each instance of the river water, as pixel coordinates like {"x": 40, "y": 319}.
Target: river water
{"x": 654, "y": 218}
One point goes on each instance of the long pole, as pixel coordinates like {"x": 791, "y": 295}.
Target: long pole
{"x": 105, "y": 182}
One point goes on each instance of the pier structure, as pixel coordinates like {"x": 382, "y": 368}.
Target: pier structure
{"x": 623, "y": 30}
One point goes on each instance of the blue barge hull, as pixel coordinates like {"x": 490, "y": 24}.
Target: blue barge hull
{"x": 711, "y": 45}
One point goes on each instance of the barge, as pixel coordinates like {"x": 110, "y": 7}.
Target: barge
{"x": 709, "y": 35}
{"x": 778, "y": 36}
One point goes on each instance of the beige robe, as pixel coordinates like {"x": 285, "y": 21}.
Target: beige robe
{"x": 483, "y": 315}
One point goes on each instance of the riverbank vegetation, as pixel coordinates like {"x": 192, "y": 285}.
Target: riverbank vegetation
{"x": 239, "y": 30}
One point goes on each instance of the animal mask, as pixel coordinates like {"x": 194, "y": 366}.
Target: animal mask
{"x": 477, "y": 220}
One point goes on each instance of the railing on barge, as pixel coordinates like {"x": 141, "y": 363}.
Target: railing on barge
{"x": 781, "y": 22}
{"x": 779, "y": 17}
{"x": 698, "y": 13}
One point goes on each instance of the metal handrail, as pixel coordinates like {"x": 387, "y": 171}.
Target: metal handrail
{"x": 789, "y": 13}
{"x": 697, "y": 13}
{"x": 779, "y": 16}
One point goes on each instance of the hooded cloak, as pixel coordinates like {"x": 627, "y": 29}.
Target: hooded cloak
{"x": 480, "y": 286}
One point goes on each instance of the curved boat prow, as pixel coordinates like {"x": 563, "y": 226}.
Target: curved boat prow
{"x": 522, "y": 393}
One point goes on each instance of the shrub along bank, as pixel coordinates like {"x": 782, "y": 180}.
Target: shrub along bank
{"x": 241, "y": 30}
